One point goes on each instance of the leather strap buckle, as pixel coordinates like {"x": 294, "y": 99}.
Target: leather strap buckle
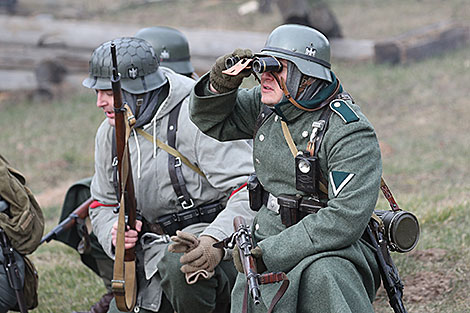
{"x": 187, "y": 205}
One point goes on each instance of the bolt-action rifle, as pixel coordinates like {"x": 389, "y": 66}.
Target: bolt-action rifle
{"x": 80, "y": 213}
{"x": 388, "y": 271}
{"x": 383, "y": 239}
{"x": 13, "y": 273}
{"x": 241, "y": 240}
{"x": 124, "y": 282}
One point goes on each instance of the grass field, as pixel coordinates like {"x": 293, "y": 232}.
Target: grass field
{"x": 420, "y": 112}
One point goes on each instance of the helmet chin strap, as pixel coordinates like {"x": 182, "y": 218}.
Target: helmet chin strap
{"x": 281, "y": 83}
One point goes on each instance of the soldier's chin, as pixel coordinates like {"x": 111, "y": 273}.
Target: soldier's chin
{"x": 268, "y": 100}
{"x": 111, "y": 121}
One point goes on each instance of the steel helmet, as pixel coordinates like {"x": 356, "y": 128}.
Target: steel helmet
{"x": 171, "y": 47}
{"x": 137, "y": 64}
{"x": 304, "y": 46}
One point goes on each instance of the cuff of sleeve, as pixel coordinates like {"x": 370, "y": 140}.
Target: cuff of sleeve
{"x": 283, "y": 251}
{"x": 214, "y": 233}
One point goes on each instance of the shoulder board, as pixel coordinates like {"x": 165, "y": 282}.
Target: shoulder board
{"x": 344, "y": 111}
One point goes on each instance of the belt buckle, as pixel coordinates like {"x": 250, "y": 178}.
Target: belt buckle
{"x": 187, "y": 205}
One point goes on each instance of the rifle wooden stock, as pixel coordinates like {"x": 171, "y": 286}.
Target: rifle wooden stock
{"x": 124, "y": 282}
{"x": 81, "y": 212}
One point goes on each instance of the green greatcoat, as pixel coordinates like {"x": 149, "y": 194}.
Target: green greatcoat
{"x": 330, "y": 268}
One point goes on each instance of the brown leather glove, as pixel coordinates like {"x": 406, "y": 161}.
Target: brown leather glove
{"x": 202, "y": 257}
{"x": 224, "y": 83}
{"x": 257, "y": 254}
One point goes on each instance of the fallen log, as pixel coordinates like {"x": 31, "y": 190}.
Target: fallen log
{"x": 421, "y": 43}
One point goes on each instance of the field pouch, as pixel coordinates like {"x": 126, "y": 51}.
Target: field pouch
{"x": 30, "y": 288}
{"x": 22, "y": 220}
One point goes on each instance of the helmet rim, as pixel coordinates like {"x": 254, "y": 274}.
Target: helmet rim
{"x": 134, "y": 86}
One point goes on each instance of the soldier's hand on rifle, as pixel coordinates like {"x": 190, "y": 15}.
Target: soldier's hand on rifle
{"x": 203, "y": 257}
{"x": 130, "y": 236}
{"x": 257, "y": 254}
{"x": 222, "y": 83}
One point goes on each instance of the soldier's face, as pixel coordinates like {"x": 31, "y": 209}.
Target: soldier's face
{"x": 105, "y": 101}
{"x": 271, "y": 92}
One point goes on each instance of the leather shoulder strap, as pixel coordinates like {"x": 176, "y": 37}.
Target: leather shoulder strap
{"x": 174, "y": 163}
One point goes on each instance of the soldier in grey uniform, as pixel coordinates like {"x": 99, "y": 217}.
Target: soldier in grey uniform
{"x": 172, "y": 48}
{"x": 318, "y": 161}
{"x": 200, "y": 199}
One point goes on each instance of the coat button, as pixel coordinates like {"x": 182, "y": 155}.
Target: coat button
{"x": 305, "y": 134}
{"x": 256, "y": 226}
{"x": 276, "y": 118}
{"x": 261, "y": 137}
{"x": 337, "y": 104}
{"x": 257, "y": 161}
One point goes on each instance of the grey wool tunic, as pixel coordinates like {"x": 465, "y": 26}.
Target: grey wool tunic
{"x": 225, "y": 166}
{"x": 330, "y": 268}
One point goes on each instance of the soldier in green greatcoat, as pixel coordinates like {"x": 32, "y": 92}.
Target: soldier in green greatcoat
{"x": 313, "y": 148}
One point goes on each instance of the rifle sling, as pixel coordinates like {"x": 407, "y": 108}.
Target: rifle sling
{"x": 170, "y": 150}
{"x": 269, "y": 278}
{"x": 124, "y": 279}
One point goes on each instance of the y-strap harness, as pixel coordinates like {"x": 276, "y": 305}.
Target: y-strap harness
{"x": 170, "y": 223}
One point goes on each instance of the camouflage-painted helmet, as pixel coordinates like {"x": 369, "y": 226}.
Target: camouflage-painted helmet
{"x": 170, "y": 45}
{"x": 137, "y": 64}
{"x": 304, "y": 46}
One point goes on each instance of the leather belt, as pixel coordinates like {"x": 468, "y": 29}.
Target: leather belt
{"x": 168, "y": 224}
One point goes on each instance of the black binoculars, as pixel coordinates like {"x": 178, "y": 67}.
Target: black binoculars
{"x": 259, "y": 64}
{"x": 401, "y": 229}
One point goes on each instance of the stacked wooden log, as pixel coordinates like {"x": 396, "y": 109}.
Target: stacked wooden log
{"x": 65, "y": 46}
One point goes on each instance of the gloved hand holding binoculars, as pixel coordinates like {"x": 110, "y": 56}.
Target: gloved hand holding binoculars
{"x": 229, "y": 70}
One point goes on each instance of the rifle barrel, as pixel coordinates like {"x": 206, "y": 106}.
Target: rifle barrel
{"x": 244, "y": 245}
{"x": 388, "y": 272}
{"x": 80, "y": 212}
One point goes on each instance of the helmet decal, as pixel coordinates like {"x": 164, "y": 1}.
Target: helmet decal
{"x": 136, "y": 59}
{"x": 304, "y": 46}
{"x": 310, "y": 51}
{"x": 132, "y": 71}
{"x": 165, "y": 54}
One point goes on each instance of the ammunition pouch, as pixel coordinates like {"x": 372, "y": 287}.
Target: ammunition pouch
{"x": 168, "y": 224}
{"x": 294, "y": 208}
{"x": 256, "y": 193}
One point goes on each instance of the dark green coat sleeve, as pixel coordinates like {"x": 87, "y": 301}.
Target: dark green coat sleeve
{"x": 351, "y": 148}
{"x": 227, "y": 116}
